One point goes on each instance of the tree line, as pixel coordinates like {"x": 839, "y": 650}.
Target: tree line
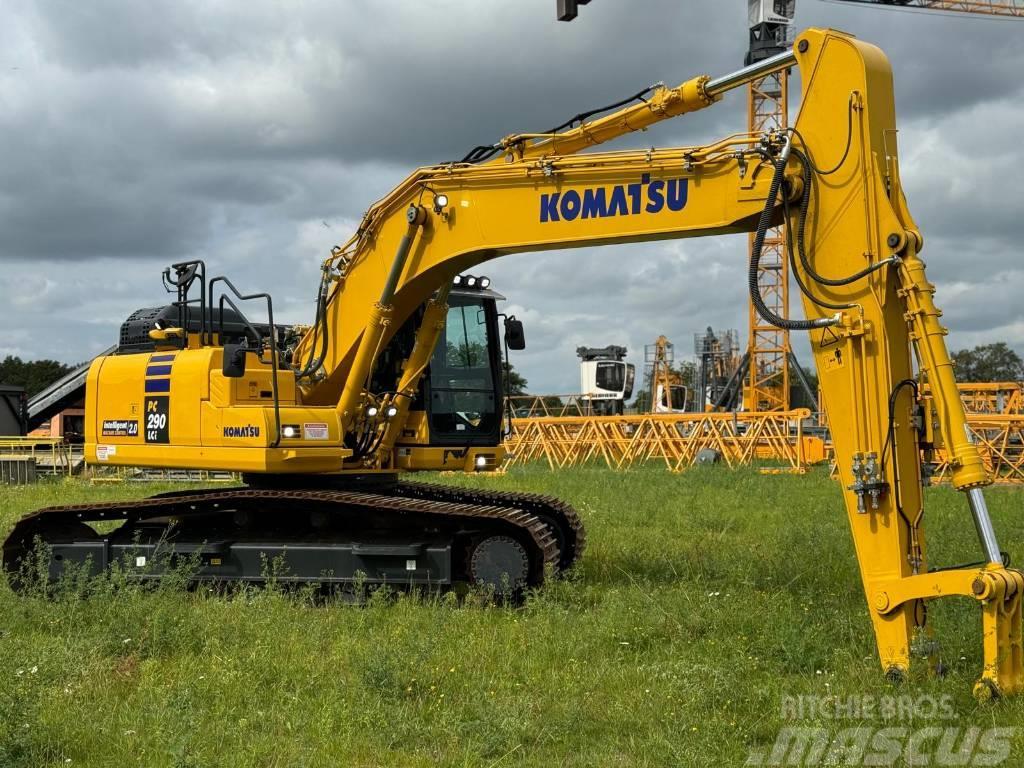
{"x": 32, "y": 375}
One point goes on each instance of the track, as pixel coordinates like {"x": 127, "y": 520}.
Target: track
{"x": 561, "y": 518}
{"x": 403, "y": 534}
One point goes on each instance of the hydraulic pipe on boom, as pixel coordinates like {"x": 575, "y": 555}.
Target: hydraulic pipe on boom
{"x": 380, "y": 319}
{"x": 833, "y": 179}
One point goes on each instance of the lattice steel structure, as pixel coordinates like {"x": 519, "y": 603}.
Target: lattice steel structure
{"x": 767, "y": 386}
{"x": 768, "y": 348}
{"x": 774, "y": 441}
{"x": 993, "y": 8}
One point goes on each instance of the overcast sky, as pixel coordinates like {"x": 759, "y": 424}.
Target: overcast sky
{"x": 254, "y": 134}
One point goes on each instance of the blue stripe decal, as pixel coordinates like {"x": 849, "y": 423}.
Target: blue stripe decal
{"x": 162, "y": 358}
{"x": 158, "y": 385}
{"x": 158, "y": 370}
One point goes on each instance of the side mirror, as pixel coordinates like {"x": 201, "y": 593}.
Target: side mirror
{"x": 514, "y": 336}
{"x": 233, "y": 366}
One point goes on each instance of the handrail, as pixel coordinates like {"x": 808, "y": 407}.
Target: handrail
{"x": 37, "y": 449}
{"x": 259, "y": 351}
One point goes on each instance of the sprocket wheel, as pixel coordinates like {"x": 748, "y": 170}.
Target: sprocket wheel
{"x": 500, "y": 563}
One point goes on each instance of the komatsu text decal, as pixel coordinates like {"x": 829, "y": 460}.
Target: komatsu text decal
{"x": 249, "y": 430}
{"x": 646, "y": 196}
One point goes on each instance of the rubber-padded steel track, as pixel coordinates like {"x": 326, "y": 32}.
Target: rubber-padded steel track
{"x": 412, "y": 513}
{"x": 563, "y": 520}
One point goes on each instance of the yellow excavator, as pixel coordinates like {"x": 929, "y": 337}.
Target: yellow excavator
{"x": 399, "y": 370}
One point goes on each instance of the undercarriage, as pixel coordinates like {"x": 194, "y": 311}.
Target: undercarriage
{"x": 403, "y": 535}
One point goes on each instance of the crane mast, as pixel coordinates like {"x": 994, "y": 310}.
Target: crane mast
{"x": 769, "y": 355}
{"x": 769, "y": 359}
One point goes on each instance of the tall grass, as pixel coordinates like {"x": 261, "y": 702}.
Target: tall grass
{"x": 701, "y": 601}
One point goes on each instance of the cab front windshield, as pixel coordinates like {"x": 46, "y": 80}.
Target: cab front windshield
{"x": 463, "y": 395}
{"x": 615, "y": 377}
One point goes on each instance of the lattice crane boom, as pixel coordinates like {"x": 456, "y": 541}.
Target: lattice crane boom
{"x": 991, "y": 8}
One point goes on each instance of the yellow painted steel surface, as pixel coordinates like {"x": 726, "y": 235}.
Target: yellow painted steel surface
{"x": 985, "y": 7}
{"x": 532, "y": 406}
{"x": 51, "y": 453}
{"x": 540, "y": 433}
{"x": 175, "y": 409}
{"x": 991, "y": 397}
{"x": 444, "y": 219}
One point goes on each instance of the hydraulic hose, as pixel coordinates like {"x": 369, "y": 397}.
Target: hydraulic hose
{"x": 805, "y": 203}
{"x": 486, "y": 151}
{"x": 320, "y": 332}
{"x": 311, "y": 363}
{"x": 796, "y": 272}
{"x": 755, "y": 256}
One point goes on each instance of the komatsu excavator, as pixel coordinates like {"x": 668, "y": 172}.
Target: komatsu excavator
{"x": 322, "y": 420}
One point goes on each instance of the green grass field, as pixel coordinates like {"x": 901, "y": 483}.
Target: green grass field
{"x": 702, "y": 601}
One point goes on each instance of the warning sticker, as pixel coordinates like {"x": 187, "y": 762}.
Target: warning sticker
{"x": 315, "y": 431}
{"x": 833, "y": 360}
{"x": 120, "y": 428}
{"x": 104, "y": 452}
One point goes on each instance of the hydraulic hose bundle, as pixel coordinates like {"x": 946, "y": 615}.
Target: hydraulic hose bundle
{"x": 763, "y": 224}
{"x": 808, "y": 171}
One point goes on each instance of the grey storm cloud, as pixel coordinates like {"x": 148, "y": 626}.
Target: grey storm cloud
{"x": 254, "y": 135}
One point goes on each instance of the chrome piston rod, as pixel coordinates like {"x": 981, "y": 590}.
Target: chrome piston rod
{"x": 983, "y": 524}
{"x": 779, "y": 61}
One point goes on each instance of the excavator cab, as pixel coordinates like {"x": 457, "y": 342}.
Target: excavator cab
{"x": 457, "y": 404}
{"x": 459, "y": 399}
